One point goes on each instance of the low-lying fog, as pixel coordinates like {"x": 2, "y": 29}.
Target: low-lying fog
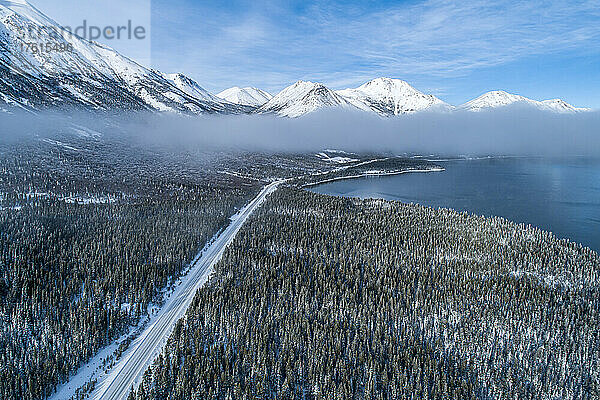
{"x": 512, "y": 130}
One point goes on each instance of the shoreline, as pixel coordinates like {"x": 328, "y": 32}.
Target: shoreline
{"x": 369, "y": 174}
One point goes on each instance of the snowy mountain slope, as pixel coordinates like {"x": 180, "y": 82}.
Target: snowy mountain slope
{"x": 78, "y": 73}
{"x": 496, "y": 98}
{"x": 559, "y": 105}
{"x": 302, "y": 98}
{"x": 388, "y": 97}
{"x": 29, "y": 79}
{"x": 499, "y": 98}
{"x": 191, "y": 87}
{"x": 248, "y": 96}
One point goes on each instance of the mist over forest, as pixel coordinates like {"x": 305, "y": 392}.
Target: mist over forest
{"x": 513, "y": 130}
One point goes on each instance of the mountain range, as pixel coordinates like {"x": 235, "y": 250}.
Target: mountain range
{"x": 79, "y": 73}
{"x": 84, "y": 74}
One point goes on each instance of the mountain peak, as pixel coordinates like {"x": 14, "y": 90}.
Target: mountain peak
{"x": 26, "y": 10}
{"x": 494, "y": 99}
{"x": 304, "y": 97}
{"x": 306, "y": 84}
{"x": 501, "y": 94}
{"x": 386, "y": 81}
{"x": 90, "y": 75}
{"x": 500, "y": 98}
{"x": 247, "y": 96}
{"x": 387, "y": 96}
{"x": 9, "y": 3}
{"x": 191, "y": 87}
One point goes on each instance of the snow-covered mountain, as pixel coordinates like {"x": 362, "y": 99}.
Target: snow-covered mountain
{"x": 559, "y": 105}
{"x": 247, "y": 96}
{"x": 78, "y": 73}
{"x": 387, "y": 96}
{"x": 499, "y": 98}
{"x": 191, "y": 87}
{"x": 302, "y": 98}
{"x": 383, "y": 96}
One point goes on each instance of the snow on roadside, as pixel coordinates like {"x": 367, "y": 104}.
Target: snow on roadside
{"x": 102, "y": 368}
{"x": 101, "y": 365}
{"x": 146, "y": 348}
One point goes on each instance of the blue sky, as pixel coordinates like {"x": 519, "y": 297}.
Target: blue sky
{"x": 456, "y": 50}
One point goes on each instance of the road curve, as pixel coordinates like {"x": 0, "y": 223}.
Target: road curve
{"x": 130, "y": 369}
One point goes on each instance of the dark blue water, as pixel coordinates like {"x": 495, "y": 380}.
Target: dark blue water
{"x": 562, "y": 196}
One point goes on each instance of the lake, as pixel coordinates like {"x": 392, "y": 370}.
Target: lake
{"x": 562, "y": 196}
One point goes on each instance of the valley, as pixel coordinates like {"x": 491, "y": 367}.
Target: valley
{"x": 256, "y": 202}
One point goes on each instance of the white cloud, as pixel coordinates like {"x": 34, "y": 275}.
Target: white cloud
{"x": 441, "y": 37}
{"x": 346, "y": 45}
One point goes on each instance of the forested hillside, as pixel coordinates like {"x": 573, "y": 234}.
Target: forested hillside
{"x": 89, "y": 237}
{"x": 327, "y": 298}
{"x": 95, "y": 225}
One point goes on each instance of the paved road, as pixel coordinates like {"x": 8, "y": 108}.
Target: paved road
{"x": 149, "y": 344}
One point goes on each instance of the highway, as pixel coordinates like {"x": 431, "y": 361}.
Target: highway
{"x": 130, "y": 369}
